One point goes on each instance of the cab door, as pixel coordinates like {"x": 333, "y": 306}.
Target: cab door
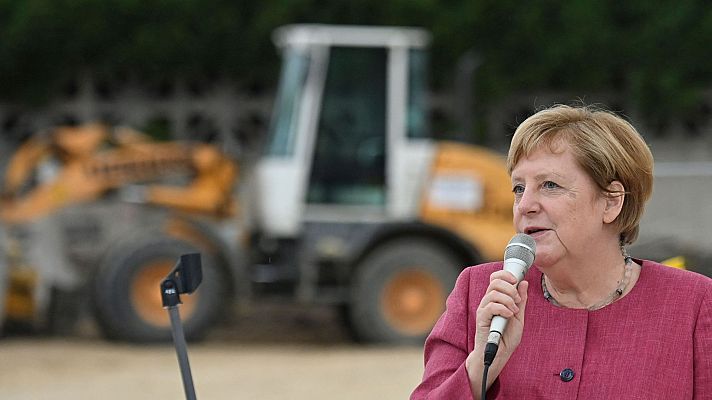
{"x": 372, "y": 151}
{"x": 349, "y": 162}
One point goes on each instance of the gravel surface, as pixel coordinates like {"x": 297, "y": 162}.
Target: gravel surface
{"x": 277, "y": 354}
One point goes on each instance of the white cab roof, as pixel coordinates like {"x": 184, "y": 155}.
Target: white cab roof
{"x": 350, "y": 35}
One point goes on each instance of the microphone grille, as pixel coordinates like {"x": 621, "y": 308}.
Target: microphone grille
{"x": 522, "y": 247}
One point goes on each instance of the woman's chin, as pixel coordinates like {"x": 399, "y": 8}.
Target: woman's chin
{"x": 543, "y": 259}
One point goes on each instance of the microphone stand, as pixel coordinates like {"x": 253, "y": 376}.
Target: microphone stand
{"x": 185, "y": 278}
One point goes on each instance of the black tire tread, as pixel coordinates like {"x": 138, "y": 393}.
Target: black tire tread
{"x": 364, "y": 314}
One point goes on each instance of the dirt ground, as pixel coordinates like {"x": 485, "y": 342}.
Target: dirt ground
{"x": 278, "y": 353}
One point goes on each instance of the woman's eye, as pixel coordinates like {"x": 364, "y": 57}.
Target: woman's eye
{"x": 518, "y": 189}
{"x": 550, "y": 185}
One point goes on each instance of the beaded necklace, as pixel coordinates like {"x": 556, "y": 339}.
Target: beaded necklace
{"x": 615, "y": 295}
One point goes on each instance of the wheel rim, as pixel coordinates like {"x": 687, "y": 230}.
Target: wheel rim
{"x": 146, "y": 294}
{"x": 412, "y": 301}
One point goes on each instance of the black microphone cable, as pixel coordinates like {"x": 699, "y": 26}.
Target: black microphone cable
{"x": 484, "y": 382}
{"x": 490, "y": 352}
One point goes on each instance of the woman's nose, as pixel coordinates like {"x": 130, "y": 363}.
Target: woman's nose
{"x": 527, "y": 202}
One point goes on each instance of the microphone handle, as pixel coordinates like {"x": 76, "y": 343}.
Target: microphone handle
{"x": 517, "y": 268}
{"x": 498, "y": 325}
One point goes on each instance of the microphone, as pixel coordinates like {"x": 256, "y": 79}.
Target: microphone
{"x": 518, "y": 257}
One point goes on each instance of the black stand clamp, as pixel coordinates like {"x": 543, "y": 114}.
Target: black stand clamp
{"x": 184, "y": 278}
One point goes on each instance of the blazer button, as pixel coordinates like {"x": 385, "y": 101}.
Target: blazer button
{"x": 567, "y": 374}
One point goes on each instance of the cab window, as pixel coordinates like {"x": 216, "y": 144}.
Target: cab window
{"x": 349, "y": 165}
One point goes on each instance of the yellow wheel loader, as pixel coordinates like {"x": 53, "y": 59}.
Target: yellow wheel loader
{"x": 79, "y": 199}
{"x": 351, "y": 203}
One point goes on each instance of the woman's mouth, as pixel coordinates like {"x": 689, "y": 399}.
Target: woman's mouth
{"x": 535, "y": 231}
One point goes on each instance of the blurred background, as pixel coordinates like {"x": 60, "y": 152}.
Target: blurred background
{"x": 336, "y": 164}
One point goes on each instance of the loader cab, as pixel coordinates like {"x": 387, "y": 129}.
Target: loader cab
{"x": 348, "y": 137}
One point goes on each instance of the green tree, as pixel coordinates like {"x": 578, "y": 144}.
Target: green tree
{"x": 652, "y": 52}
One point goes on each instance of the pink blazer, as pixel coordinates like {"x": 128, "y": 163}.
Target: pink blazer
{"x": 655, "y": 343}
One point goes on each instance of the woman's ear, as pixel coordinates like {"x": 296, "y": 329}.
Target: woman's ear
{"x": 614, "y": 201}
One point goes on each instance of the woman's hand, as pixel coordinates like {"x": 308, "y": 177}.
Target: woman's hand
{"x": 504, "y": 298}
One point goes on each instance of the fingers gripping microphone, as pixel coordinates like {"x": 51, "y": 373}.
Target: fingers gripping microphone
{"x": 518, "y": 257}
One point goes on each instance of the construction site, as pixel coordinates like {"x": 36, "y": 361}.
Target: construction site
{"x": 332, "y": 238}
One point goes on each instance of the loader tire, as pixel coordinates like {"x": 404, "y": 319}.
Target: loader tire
{"x": 399, "y": 291}
{"x": 127, "y": 297}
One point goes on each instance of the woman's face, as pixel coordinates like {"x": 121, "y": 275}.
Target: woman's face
{"x": 558, "y": 204}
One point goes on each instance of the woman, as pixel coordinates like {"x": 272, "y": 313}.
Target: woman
{"x": 588, "y": 321}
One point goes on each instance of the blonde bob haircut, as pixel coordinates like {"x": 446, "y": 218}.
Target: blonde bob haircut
{"x": 606, "y": 146}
